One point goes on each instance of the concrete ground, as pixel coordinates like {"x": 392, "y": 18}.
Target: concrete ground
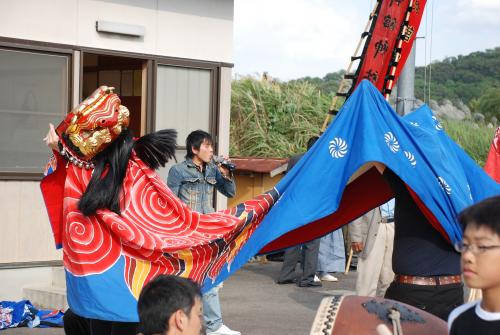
{"x": 253, "y": 304}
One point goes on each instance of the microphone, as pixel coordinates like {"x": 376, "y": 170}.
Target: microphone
{"x": 224, "y": 162}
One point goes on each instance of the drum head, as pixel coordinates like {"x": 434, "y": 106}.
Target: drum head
{"x": 355, "y": 315}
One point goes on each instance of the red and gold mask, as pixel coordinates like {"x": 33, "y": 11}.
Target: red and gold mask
{"x": 94, "y": 124}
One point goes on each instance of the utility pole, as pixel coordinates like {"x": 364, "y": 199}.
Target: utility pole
{"x": 405, "y": 101}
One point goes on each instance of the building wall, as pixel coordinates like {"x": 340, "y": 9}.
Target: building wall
{"x": 15, "y": 280}
{"x": 196, "y": 29}
{"x": 25, "y": 235}
{"x": 193, "y": 29}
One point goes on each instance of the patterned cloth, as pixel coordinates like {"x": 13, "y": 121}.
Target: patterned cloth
{"x": 50, "y": 318}
{"x": 110, "y": 257}
{"x": 18, "y": 314}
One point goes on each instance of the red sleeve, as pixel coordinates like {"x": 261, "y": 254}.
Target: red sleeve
{"x": 52, "y": 187}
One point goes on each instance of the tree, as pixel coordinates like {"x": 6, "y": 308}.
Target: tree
{"x": 489, "y": 104}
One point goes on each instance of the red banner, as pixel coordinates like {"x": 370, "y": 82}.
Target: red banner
{"x": 389, "y": 43}
{"x": 492, "y": 166}
{"x": 411, "y": 32}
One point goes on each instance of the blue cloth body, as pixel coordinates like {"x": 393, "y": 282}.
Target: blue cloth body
{"x": 367, "y": 130}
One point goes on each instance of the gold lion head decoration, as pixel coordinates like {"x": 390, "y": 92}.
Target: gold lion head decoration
{"x": 92, "y": 126}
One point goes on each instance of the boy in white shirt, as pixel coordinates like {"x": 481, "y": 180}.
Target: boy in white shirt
{"x": 480, "y": 249}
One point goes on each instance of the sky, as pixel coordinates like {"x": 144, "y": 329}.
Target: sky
{"x": 295, "y": 38}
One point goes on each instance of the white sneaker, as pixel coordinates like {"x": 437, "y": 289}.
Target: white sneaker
{"x": 328, "y": 277}
{"x": 224, "y": 330}
{"x": 316, "y": 279}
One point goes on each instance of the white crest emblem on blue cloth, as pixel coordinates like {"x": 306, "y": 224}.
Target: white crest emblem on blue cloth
{"x": 391, "y": 141}
{"x": 444, "y": 185}
{"x": 411, "y": 158}
{"x": 338, "y": 147}
{"x": 437, "y": 124}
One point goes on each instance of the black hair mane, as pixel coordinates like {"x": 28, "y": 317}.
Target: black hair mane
{"x": 105, "y": 186}
{"x": 156, "y": 149}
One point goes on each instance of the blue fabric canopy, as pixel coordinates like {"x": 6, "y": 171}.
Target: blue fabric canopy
{"x": 443, "y": 177}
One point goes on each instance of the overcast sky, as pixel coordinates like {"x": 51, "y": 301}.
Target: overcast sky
{"x": 296, "y": 38}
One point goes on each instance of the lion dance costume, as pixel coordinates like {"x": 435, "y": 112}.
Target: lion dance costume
{"x": 119, "y": 224}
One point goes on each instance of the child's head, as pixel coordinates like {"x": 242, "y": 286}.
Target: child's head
{"x": 170, "y": 305}
{"x": 480, "y": 247}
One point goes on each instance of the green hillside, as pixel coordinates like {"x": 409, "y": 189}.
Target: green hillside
{"x": 467, "y": 78}
{"x": 474, "y": 79}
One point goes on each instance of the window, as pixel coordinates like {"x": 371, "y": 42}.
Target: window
{"x": 33, "y": 92}
{"x": 183, "y": 103}
{"x": 183, "y": 100}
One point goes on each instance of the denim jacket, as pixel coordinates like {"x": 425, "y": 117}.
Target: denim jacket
{"x": 195, "y": 188}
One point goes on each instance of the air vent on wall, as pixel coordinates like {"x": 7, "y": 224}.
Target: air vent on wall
{"x": 120, "y": 28}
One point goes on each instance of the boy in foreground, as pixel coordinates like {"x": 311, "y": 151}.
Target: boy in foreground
{"x": 480, "y": 249}
{"x": 170, "y": 305}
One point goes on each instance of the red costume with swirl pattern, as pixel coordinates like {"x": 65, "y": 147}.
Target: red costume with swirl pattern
{"x": 154, "y": 226}
{"x": 152, "y": 233}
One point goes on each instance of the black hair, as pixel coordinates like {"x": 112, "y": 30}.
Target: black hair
{"x": 311, "y": 142}
{"x": 157, "y": 148}
{"x": 104, "y": 188}
{"x": 162, "y": 297}
{"x": 195, "y": 139}
{"x": 485, "y": 213}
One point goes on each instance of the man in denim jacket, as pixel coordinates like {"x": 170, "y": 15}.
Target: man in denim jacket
{"x": 193, "y": 181}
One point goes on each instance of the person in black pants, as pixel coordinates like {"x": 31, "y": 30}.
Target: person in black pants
{"x": 426, "y": 266}
{"x": 77, "y": 325}
{"x": 308, "y": 252}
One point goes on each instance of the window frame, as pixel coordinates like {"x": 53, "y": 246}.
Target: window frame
{"x": 152, "y": 63}
{"x": 46, "y": 50}
{"x": 213, "y": 117}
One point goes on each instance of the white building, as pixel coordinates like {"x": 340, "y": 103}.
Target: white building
{"x": 169, "y": 60}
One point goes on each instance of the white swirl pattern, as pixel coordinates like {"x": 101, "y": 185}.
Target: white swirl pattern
{"x": 437, "y": 124}
{"x": 338, "y": 147}
{"x": 411, "y": 158}
{"x": 391, "y": 141}
{"x": 444, "y": 185}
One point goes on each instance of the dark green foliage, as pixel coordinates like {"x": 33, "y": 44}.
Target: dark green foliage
{"x": 462, "y": 78}
{"x": 488, "y": 104}
{"x": 466, "y": 78}
{"x": 327, "y": 85}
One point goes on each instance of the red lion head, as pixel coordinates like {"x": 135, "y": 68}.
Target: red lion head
{"x": 94, "y": 124}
